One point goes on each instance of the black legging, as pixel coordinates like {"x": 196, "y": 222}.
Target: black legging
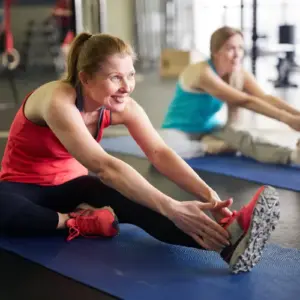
{"x": 28, "y": 209}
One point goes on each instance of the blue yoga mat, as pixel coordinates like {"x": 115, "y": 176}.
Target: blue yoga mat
{"x": 136, "y": 266}
{"x": 287, "y": 177}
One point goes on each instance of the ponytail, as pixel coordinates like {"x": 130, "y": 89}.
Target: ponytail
{"x": 73, "y": 55}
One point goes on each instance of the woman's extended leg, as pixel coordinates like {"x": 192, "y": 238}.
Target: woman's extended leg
{"x": 256, "y": 148}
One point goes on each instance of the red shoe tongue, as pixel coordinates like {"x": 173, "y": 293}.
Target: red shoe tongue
{"x": 81, "y": 212}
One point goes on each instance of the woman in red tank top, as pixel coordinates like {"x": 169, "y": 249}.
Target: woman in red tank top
{"x": 54, "y": 141}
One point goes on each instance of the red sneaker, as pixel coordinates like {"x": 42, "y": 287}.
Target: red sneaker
{"x": 92, "y": 223}
{"x": 250, "y": 229}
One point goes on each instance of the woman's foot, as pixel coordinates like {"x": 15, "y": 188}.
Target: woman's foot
{"x": 216, "y": 146}
{"x": 295, "y": 155}
{"x": 62, "y": 220}
{"x": 85, "y": 206}
{"x": 250, "y": 229}
{"x": 91, "y": 222}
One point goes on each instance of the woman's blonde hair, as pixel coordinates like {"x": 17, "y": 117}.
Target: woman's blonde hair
{"x": 88, "y": 51}
{"x": 220, "y": 36}
{"x": 217, "y": 40}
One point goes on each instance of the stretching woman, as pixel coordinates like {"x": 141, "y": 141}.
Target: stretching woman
{"x": 54, "y": 141}
{"x": 204, "y": 88}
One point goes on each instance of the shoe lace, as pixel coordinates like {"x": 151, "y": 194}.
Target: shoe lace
{"x": 85, "y": 226}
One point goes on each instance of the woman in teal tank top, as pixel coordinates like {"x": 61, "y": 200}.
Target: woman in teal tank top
{"x": 193, "y": 111}
{"x": 192, "y": 126}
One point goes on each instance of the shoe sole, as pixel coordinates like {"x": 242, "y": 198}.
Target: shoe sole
{"x": 265, "y": 217}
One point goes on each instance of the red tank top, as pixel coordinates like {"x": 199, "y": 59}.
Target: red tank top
{"x": 33, "y": 154}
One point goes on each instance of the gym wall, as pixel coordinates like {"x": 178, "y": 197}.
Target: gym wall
{"x": 22, "y": 14}
{"x": 120, "y": 21}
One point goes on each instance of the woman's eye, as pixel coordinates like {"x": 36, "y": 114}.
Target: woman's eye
{"x": 116, "y": 78}
{"x": 131, "y": 75}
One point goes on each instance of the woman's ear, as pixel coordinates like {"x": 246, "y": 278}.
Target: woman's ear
{"x": 83, "y": 78}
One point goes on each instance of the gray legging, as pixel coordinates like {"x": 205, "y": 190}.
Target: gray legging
{"x": 190, "y": 145}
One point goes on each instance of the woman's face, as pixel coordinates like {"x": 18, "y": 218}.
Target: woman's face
{"x": 112, "y": 84}
{"x": 230, "y": 55}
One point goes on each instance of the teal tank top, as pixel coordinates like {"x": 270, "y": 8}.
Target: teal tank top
{"x": 193, "y": 112}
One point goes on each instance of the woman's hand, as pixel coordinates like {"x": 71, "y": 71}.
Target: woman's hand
{"x": 221, "y": 210}
{"x": 189, "y": 216}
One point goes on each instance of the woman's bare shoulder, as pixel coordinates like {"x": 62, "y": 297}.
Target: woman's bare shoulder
{"x": 51, "y": 93}
{"x": 192, "y": 73}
